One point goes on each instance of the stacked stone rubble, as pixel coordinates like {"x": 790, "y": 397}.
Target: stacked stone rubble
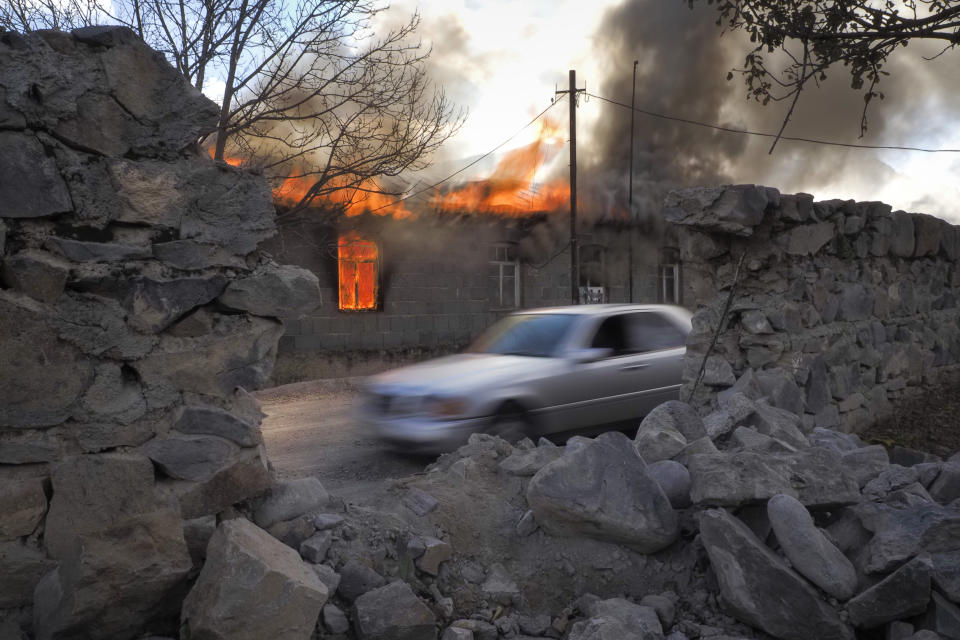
{"x": 135, "y": 313}
{"x": 845, "y": 307}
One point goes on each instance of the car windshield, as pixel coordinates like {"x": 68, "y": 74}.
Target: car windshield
{"x": 535, "y": 334}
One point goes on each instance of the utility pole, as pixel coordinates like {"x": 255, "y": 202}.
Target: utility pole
{"x": 574, "y": 247}
{"x": 633, "y": 100}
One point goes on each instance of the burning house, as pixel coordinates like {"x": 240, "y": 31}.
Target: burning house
{"x": 424, "y": 276}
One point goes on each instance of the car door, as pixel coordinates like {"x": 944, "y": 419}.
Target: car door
{"x": 657, "y": 346}
{"x": 597, "y": 392}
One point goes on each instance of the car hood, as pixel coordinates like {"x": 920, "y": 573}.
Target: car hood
{"x": 460, "y": 374}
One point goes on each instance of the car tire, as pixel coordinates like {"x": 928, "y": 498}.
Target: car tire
{"x": 511, "y": 423}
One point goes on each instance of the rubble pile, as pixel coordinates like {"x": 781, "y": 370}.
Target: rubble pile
{"x": 134, "y": 311}
{"x": 741, "y": 535}
{"x": 841, "y": 307}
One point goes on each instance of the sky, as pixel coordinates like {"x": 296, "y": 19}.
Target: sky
{"x": 503, "y": 60}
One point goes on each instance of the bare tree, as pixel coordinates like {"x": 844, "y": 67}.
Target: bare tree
{"x": 310, "y": 92}
{"x": 814, "y": 35}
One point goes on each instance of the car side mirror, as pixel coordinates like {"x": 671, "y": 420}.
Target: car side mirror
{"x": 584, "y": 356}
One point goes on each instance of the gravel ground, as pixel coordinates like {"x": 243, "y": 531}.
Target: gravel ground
{"x": 310, "y": 431}
{"x": 930, "y": 422}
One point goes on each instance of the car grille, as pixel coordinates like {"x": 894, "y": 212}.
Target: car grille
{"x": 396, "y": 405}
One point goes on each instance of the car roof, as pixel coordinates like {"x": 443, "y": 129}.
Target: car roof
{"x": 602, "y": 309}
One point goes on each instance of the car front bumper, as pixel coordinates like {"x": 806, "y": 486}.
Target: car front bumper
{"x": 421, "y": 435}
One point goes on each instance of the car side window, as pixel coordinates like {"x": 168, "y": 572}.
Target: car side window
{"x": 648, "y": 331}
{"x": 611, "y": 335}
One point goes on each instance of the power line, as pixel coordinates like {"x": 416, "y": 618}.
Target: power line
{"x": 662, "y": 116}
{"x": 475, "y": 161}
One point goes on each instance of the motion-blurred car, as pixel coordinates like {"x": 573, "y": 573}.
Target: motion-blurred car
{"x": 534, "y": 373}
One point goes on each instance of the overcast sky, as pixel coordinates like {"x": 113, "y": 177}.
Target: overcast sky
{"x": 503, "y": 60}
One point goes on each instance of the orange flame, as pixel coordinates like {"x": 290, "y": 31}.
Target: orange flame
{"x": 511, "y": 189}
{"x": 358, "y": 259}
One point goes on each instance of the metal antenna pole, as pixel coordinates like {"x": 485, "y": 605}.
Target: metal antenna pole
{"x": 633, "y": 101}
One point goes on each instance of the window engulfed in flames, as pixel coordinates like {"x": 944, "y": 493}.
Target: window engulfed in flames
{"x": 359, "y": 261}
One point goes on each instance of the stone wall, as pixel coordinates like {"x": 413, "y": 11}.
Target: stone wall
{"x": 135, "y": 312}
{"x": 840, "y": 309}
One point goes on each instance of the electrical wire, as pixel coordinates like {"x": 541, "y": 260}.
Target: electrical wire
{"x": 475, "y": 161}
{"x": 662, "y": 116}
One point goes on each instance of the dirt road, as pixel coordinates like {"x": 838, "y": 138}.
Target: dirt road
{"x": 310, "y": 431}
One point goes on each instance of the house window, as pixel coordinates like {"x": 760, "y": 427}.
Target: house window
{"x": 592, "y": 274}
{"x": 358, "y": 261}
{"x": 504, "y": 276}
{"x": 669, "y": 276}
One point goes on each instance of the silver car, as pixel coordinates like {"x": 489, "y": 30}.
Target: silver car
{"x": 534, "y": 373}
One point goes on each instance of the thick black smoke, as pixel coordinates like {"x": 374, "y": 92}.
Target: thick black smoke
{"x": 684, "y": 59}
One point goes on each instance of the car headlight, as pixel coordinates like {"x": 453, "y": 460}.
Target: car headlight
{"x": 447, "y": 407}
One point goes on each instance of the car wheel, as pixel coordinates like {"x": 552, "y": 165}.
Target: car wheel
{"x": 511, "y": 423}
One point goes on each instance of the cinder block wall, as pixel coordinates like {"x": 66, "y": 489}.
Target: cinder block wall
{"x": 857, "y": 305}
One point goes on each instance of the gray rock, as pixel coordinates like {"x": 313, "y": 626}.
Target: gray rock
{"x": 899, "y": 630}
{"x": 814, "y": 476}
{"x": 603, "y": 491}
{"x": 747, "y": 438}
{"x": 279, "y": 595}
{"x": 534, "y": 625}
{"x": 189, "y": 255}
{"x": 734, "y": 209}
{"x": 316, "y": 546}
{"x": 113, "y": 581}
{"x": 22, "y": 567}
{"x": 756, "y": 322}
{"x": 678, "y": 416}
{"x": 946, "y": 573}
{"x": 435, "y": 552}
{"x": 700, "y": 445}
{"x": 457, "y": 633}
{"x": 97, "y": 326}
{"x": 324, "y": 521}
{"x": 419, "y": 501}
{"x": 194, "y": 458}
{"x": 80, "y": 251}
{"x": 334, "y": 619}
{"x": 500, "y": 587}
{"x": 942, "y": 617}
{"x": 946, "y": 488}
{"x": 212, "y": 421}
{"x": 779, "y": 424}
{"x": 665, "y": 608}
{"x": 30, "y": 185}
{"x": 856, "y": 303}
{"x": 197, "y": 533}
{"x": 245, "y": 477}
{"x": 282, "y": 291}
{"x": 718, "y": 373}
{"x": 526, "y": 525}
{"x": 393, "y": 612}
{"x": 780, "y": 390}
{"x": 357, "y": 579}
{"x": 239, "y": 353}
{"x": 927, "y": 472}
{"x": 901, "y": 533}
{"x": 839, "y": 442}
{"x": 818, "y": 386}
{"x": 527, "y": 463}
{"x": 908, "y": 457}
{"x": 889, "y": 480}
{"x": 618, "y": 618}
{"x": 154, "y": 305}
{"x": 657, "y": 440}
{"x": 902, "y": 594}
{"x": 38, "y": 274}
{"x": 23, "y": 504}
{"x": 674, "y": 479}
{"x": 866, "y": 463}
{"x": 808, "y": 239}
{"x": 902, "y": 239}
{"x": 329, "y": 577}
{"x": 809, "y": 551}
{"x": 718, "y": 423}
{"x": 736, "y": 553}
{"x": 289, "y": 499}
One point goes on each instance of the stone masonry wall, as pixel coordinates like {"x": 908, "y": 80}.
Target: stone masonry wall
{"x": 135, "y": 312}
{"x": 841, "y": 307}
